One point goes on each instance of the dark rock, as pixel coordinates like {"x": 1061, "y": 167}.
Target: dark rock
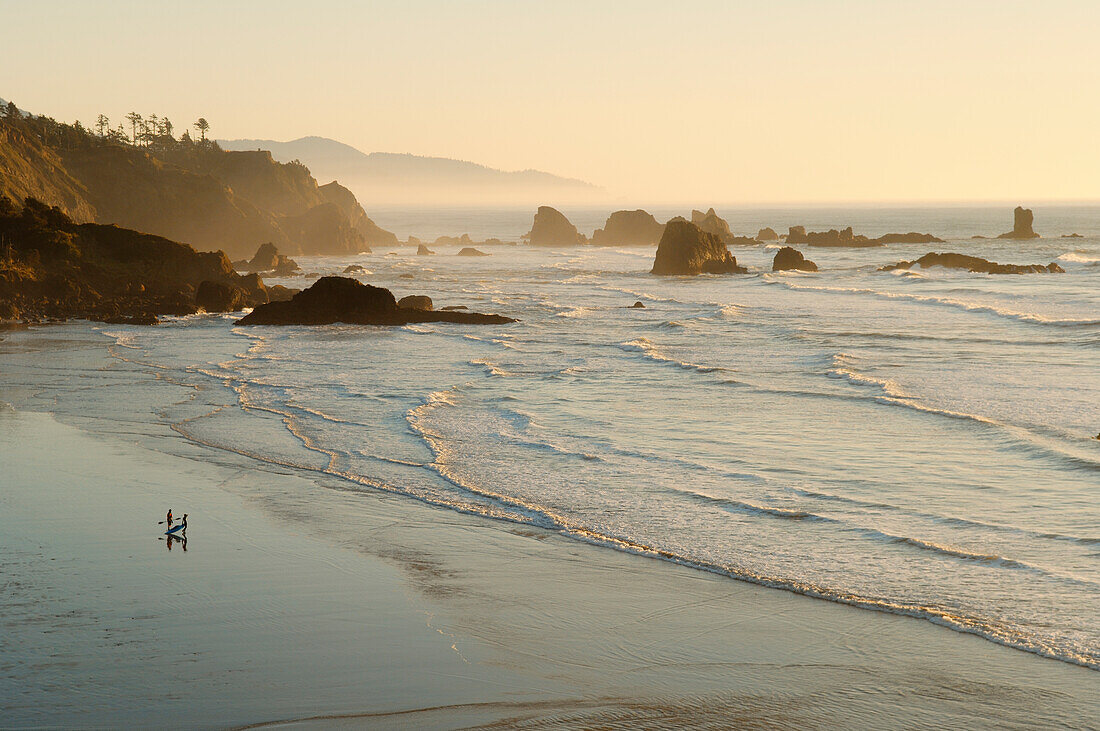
{"x": 471, "y": 251}
{"x": 910, "y": 238}
{"x": 637, "y": 306}
{"x": 406, "y": 276}
{"x": 551, "y": 228}
{"x": 354, "y": 269}
{"x": 220, "y": 297}
{"x": 767, "y": 234}
{"x": 973, "y": 264}
{"x": 711, "y": 222}
{"x": 415, "y": 302}
{"x": 423, "y": 250}
{"x": 687, "y": 249}
{"x": 340, "y": 299}
{"x": 450, "y": 308}
{"x": 55, "y": 269}
{"x": 832, "y": 237}
{"x": 787, "y": 259}
{"x": 629, "y": 228}
{"x": 463, "y": 240}
{"x": 1072, "y": 236}
{"x": 1022, "y": 220}
{"x": 268, "y": 259}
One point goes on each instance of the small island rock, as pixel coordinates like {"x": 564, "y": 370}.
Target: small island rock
{"x": 552, "y": 228}
{"x": 687, "y": 249}
{"x": 787, "y": 259}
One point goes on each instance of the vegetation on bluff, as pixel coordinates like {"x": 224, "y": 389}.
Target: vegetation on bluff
{"x": 183, "y": 188}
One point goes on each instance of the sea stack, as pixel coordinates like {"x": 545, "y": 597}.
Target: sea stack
{"x": 1022, "y": 220}
{"x": 339, "y": 299}
{"x": 787, "y": 259}
{"x": 767, "y": 234}
{"x": 687, "y": 249}
{"x": 552, "y": 228}
{"x": 629, "y": 228}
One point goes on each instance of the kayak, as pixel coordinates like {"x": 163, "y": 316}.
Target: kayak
{"x": 175, "y": 529}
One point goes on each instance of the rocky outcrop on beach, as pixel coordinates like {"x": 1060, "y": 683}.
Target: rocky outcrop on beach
{"x": 973, "y": 264}
{"x": 629, "y": 228}
{"x": 1022, "y": 220}
{"x": 415, "y": 302}
{"x": 471, "y": 251}
{"x": 767, "y": 234}
{"x": 268, "y": 260}
{"x": 787, "y": 259}
{"x": 687, "y": 249}
{"x": 340, "y": 299}
{"x": 54, "y": 268}
{"x": 552, "y": 228}
{"x": 422, "y": 250}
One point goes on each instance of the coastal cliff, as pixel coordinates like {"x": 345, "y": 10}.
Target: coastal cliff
{"x": 181, "y": 189}
{"x": 54, "y": 268}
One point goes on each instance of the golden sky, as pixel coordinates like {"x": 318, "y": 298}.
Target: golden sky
{"x": 784, "y": 102}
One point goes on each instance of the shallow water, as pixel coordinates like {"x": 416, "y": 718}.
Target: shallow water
{"x": 919, "y": 443}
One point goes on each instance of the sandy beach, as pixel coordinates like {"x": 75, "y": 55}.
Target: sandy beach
{"x": 300, "y": 600}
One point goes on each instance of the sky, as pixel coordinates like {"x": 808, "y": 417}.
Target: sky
{"x": 784, "y": 101}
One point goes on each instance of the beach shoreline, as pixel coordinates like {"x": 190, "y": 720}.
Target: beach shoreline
{"x": 315, "y": 603}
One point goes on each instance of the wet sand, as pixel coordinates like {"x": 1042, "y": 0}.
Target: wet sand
{"x": 297, "y": 600}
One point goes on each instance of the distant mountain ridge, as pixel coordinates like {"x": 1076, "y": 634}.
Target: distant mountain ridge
{"x": 387, "y": 177}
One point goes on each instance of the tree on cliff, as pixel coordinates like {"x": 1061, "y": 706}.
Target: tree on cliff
{"x": 102, "y": 125}
{"x": 134, "y": 119}
{"x": 12, "y": 111}
{"x": 202, "y": 125}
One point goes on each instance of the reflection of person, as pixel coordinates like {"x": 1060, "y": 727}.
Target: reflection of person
{"x": 169, "y": 517}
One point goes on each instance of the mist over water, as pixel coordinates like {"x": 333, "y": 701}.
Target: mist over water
{"x": 916, "y": 442}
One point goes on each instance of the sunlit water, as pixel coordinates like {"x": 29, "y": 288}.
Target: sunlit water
{"x": 915, "y": 442}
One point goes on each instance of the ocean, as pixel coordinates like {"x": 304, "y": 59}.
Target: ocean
{"x": 917, "y": 442}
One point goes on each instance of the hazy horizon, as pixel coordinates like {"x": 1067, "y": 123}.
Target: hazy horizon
{"x": 792, "y": 104}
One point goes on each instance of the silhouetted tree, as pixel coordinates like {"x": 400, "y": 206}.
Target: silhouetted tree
{"x": 12, "y": 111}
{"x": 166, "y": 125}
{"x": 202, "y": 125}
{"x": 102, "y": 125}
{"x": 135, "y": 120}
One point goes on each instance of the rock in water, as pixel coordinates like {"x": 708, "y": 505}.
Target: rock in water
{"x": 220, "y": 297}
{"x": 340, "y": 299}
{"x": 1022, "y": 220}
{"x": 415, "y": 302}
{"x": 629, "y": 228}
{"x": 974, "y": 264}
{"x": 551, "y": 228}
{"x": 471, "y": 251}
{"x": 637, "y": 306}
{"x": 268, "y": 259}
{"x": 354, "y": 269}
{"x": 687, "y": 249}
{"x": 767, "y": 234}
{"x": 787, "y": 259}
{"x": 910, "y": 238}
{"x": 422, "y": 250}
